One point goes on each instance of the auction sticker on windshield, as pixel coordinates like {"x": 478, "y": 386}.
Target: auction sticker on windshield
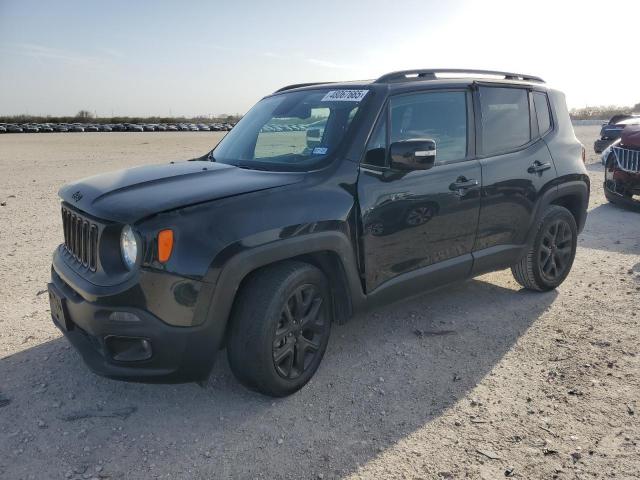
{"x": 344, "y": 96}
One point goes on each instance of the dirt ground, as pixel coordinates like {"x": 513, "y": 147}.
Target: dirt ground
{"x": 502, "y": 382}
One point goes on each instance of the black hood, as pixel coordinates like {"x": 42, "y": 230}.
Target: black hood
{"x": 132, "y": 194}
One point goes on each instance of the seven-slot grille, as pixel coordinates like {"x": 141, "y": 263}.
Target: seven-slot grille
{"x": 628, "y": 160}
{"x": 80, "y": 238}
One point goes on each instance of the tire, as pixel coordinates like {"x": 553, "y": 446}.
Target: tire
{"x": 269, "y": 349}
{"x": 555, "y": 240}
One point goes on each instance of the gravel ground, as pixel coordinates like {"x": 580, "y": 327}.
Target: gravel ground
{"x": 500, "y": 382}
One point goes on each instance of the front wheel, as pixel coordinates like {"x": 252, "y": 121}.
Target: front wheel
{"x": 280, "y": 328}
{"x": 550, "y": 256}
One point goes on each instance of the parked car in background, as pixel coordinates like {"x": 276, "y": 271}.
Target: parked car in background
{"x": 48, "y": 127}
{"x": 622, "y": 169}
{"x": 3, "y": 129}
{"x": 612, "y": 130}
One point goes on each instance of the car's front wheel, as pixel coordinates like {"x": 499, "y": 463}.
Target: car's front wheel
{"x": 551, "y": 253}
{"x": 280, "y": 328}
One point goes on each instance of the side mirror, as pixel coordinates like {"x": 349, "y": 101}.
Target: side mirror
{"x": 414, "y": 154}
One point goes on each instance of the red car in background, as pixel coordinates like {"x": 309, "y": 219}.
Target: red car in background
{"x": 622, "y": 169}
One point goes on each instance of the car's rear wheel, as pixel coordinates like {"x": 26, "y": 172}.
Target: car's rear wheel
{"x": 280, "y": 328}
{"x": 551, "y": 253}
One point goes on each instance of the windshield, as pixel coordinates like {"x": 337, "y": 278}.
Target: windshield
{"x": 291, "y": 131}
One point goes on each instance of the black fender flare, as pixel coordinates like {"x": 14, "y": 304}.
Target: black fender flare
{"x": 238, "y": 266}
{"x": 573, "y": 188}
{"x": 580, "y": 189}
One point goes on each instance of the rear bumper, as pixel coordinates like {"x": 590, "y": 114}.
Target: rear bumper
{"x": 177, "y": 353}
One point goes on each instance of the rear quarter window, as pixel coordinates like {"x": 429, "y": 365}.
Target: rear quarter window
{"x": 542, "y": 112}
{"x": 505, "y": 119}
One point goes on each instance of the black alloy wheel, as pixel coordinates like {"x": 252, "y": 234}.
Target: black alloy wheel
{"x": 300, "y": 331}
{"x": 555, "y": 250}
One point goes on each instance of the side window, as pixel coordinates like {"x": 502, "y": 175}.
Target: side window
{"x": 542, "y": 112}
{"x": 377, "y": 147}
{"x": 505, "y": 119}
{"x": 439, "y": 116}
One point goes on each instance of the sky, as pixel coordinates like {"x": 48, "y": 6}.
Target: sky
{"x": 144, "y": 58}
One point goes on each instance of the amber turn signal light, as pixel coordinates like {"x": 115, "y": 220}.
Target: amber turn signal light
{"x": 165, "y": 245}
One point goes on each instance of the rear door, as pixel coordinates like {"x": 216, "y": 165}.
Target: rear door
{"x": 516, "y": 170}
{"x": 417, "y": 219}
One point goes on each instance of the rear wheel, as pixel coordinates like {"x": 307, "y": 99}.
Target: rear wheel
{"x": 551, "y": 254}
{"x": 280, "y": 328}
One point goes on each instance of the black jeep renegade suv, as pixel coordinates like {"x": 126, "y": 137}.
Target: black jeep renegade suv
{"x": 324, "y": 200}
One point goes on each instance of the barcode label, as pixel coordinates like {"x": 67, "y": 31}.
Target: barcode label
{"x": 344, "y": 96}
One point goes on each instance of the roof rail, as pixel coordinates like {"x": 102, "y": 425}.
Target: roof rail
{"x": 431, "y": 74}
{"x": 299, "y": 85}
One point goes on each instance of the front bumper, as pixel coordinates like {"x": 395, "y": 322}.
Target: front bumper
{"x": 619, "y": 199}
{"x": 177, "y": 353}
{"x": 620, "y": 187}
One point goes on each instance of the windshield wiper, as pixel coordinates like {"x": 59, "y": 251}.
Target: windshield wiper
{"x": 252, "y": 167}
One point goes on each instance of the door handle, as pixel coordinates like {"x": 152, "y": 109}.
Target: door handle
{"x": 462, "y": 185}
{"x": 538, "y": 167}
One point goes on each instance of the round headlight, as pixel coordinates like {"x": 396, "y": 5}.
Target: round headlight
{"x": 129, "y": 247}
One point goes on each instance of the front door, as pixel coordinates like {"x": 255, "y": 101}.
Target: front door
{"x": 412, "y": 220}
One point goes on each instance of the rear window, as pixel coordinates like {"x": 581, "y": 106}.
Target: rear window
{"x": 505, "y": 119}
{"x": 542, "y": 112}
